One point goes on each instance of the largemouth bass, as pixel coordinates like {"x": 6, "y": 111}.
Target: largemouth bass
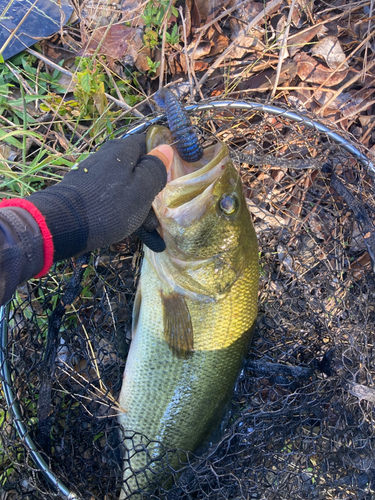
{"x": 194, "y": 314}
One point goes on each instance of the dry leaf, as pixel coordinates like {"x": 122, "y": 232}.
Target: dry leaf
{"x": 203, "y": 49}
{"x": 209, "y": 9}
{"x": 141, "y": 63}
{"x": 323, "y": 97}
{"x": 115, "y": 42}
{"x": 300, "y": 97}
{"x": 251, "y": 40}
{"x": 131, "y": 12}
{"x": 309, "y": 70}
{"x": 221, "y": 43}
{"x": 331, "y": 51}
{"x": 299, "y": 40}
{"x": 265, "y": 80}
{"x": 298, "y": 15}
{"x": 192, "y": 16}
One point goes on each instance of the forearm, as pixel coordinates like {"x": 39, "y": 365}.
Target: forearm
{"x": 21, "y": 249}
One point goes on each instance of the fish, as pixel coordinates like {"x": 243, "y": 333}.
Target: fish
{"x": 194, "y": 314}
{"x": 183, "y": 133}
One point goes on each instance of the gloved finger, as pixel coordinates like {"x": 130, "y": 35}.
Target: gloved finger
{"x": 151, "y": 222}
{"x": 165, "y": 153}
{"x": 152, "y": 239}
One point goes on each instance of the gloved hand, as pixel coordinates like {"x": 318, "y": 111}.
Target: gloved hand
{"x": 106, "y": 198}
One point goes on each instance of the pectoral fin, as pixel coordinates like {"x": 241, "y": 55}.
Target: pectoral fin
{"x": 178, "y": 328}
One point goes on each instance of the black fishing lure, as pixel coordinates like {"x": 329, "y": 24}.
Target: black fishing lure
{"x": 186, "y": 140}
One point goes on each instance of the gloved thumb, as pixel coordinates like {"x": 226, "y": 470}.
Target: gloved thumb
{"x": 165, "y": 154}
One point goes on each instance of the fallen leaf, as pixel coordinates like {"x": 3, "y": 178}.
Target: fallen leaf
{"x": 131, "y": 11}
{"x": 300, "y": 97}
{"x": 209, "y": 9}
{"x": 299, "y": 40}
{"x": 203, "y": 49}
{"x": 265, "y": 80}
{"x": 329, "y": 48}
{"x": 192, "y": 16}
{"x": 251, "y": 40}
{"x": 141, "y": 63}
{"x": 115, "y": 42}
{"x": 218, "y": 41}
{"x": 309, "y": 70}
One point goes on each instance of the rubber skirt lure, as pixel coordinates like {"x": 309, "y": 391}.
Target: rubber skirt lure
{"x": 183, "y": 133}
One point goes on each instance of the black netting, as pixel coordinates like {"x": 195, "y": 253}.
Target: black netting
{"x": 301, "y": 424}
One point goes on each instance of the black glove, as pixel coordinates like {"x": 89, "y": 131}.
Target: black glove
{"x": 105, "y": 199}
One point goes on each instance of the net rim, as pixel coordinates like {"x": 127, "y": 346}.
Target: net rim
{"x": 13, "y": 406}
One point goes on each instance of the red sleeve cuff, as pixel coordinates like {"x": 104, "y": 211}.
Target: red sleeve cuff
{"x": 48, "y": 248}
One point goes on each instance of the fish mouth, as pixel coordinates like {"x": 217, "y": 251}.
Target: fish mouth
{"x": 187, "y": 181}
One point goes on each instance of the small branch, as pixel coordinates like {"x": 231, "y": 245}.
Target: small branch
{"x": 163, "y": 27}
{"x": 283, "y": 48}
{"x": 186, "y": 53}
{"x": 368, "y": 34}
{"x": 260, "y": 367}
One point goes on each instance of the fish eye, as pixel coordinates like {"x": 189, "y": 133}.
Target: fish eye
{"x": 228, "y": 204}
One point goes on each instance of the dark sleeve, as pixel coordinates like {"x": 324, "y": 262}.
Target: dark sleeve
{"x": 21, "y": 250}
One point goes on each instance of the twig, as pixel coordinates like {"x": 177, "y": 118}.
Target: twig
{"x": 283, "y": 48}
{"x": 163, "y": 27}
{"x": 186, "y": 53}
{"x": 261, "y": 367}
{"x": 238, "y": 40}
{"x": 198, "y": 41}
{"x": 368, "y": 33}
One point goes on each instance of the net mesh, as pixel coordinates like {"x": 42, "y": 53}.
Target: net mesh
{"x": 301, "y": 424}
